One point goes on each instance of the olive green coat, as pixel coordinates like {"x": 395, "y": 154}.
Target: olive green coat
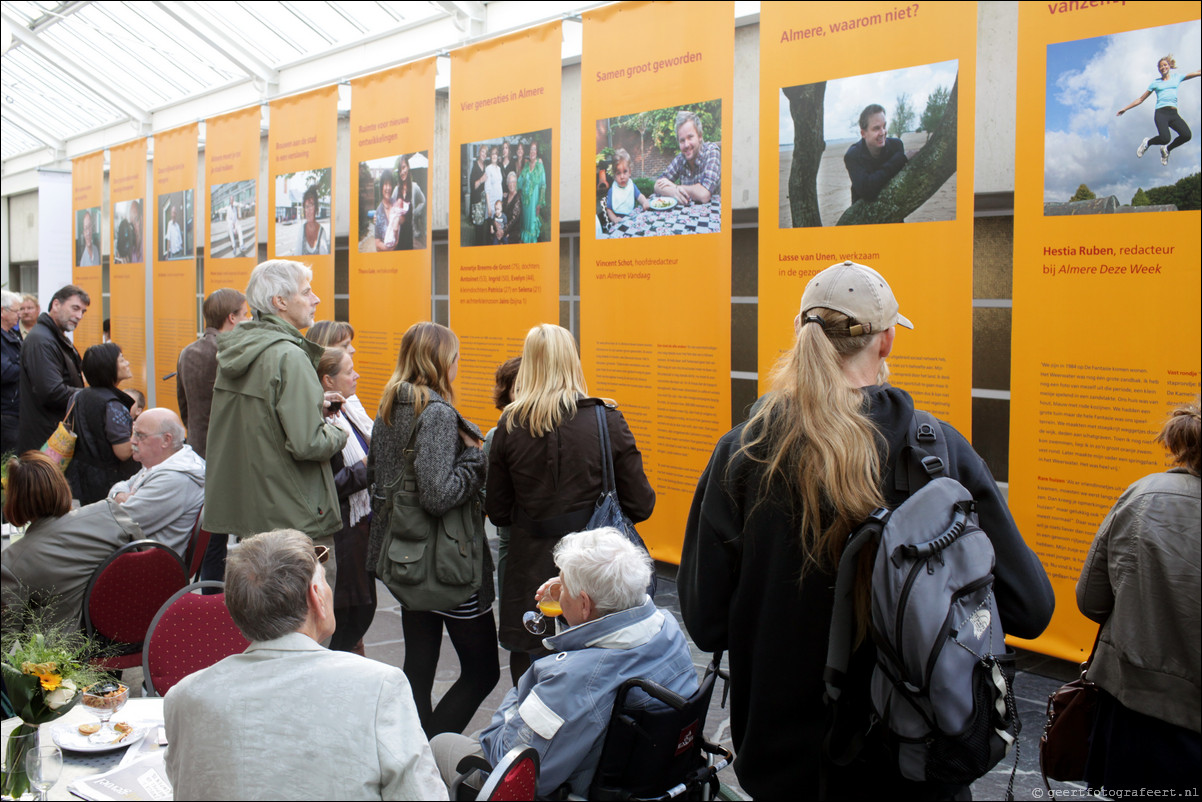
{"x": 269, "y": 448}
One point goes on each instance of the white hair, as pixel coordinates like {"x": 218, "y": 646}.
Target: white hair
{"x": 275, "y": 278}
{"x": 605, "y": 565}
{"x": 9, "y": 299}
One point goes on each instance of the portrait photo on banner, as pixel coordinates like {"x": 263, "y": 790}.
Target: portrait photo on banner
{"x": 392, "y": 202}
{"x": 506, "y": 186}
{"x": 302, "y": 213}
{"x": 87, "y": 237}
{"x": 1120, "y": 121}
{"x": 128, "y": 239}
{"x": 176, "y": 225}
{"x": 232, "y": 220}
{"x": 870, "y": 149}
{"x": 658, "y": 173}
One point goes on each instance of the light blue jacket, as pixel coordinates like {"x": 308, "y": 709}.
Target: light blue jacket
{"x": 561, "y": 705}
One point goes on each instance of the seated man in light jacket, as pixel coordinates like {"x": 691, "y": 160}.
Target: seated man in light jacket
{"x": 561, "y": 705}
{"x": 288, "y": 719}
{"x": 166, "y": 495}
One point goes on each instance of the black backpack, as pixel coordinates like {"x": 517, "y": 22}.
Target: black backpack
{"x": 942, "y": 684}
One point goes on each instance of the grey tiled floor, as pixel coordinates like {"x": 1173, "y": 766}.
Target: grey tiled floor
{"x": 1038, "y": 676}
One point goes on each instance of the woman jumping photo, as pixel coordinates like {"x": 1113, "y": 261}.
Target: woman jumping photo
{"x": 1166, "y": 115}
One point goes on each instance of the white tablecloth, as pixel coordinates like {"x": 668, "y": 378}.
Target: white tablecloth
{"x": 77, "y": 765}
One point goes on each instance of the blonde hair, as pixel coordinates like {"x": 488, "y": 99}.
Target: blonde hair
{"x": 1169, "y": 58}
{"x": 427, "y": 352}
{"x": 812, "y": 434}
{"x": 620, "y": 156}
{"x": 549, "y": 381}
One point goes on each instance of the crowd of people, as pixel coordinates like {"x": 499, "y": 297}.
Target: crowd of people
{"x": 325, "y": 497}
{"x": 507, "y": 194}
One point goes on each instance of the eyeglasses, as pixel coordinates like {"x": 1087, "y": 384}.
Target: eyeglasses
{"x": 136, "y": 435}
{"x": 323, "y": 554}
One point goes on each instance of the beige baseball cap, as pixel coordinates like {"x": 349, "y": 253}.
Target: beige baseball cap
{"x": 857, "y": 291}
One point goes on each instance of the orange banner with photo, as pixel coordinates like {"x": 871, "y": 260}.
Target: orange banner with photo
{"x": 176, "y": 209}
{"x": 391, "y": 144}
{"x": 87, "y": 185}
{"x": 655, "y": 237}
{"x": 504, "y": 269}
{"x": 1106, "y": 237}
{"x": 231, "y": 179}
{"x": 127, "y": 256}
{"x": 302, "y": 147}
{"x": 875, "y": 166}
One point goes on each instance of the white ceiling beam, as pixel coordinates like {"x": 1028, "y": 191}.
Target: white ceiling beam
{"x": 470, "y": 15}
{"x": 242, "y": 59}
{"x": 36, "y": 131}
{"x": 72, "y": 69}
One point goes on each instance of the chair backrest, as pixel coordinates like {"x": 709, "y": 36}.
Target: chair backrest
{"x": 190, "y": 632}
{"x": 656, "y": 743}
{"x": 514, "y": 778}
{"x": 127, "y": 590}
{"x": 198, "y": 543}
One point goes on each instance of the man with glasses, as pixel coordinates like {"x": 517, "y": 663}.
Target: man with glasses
{"x": 166, "y": 495}
{"x": 288, "y": 719}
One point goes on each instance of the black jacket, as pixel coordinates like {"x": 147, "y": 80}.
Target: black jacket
{"x": 870, "y": 174}
{"x": 10, "y": 375}
{"x": 741, "y": 591}
{"x": 51, "y": 373}
{"x": 95, "y": 468}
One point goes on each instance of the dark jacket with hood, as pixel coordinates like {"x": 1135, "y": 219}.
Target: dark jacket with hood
{"x": 741, "y": 591}
{"x": 269, "y": 447}
{"x": 51, "y": 373}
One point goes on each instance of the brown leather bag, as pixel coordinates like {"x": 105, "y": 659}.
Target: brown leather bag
{"x": 1064, "y": 745}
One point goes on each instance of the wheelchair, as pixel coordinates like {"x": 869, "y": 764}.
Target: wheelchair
{"x": 652, "y": 751}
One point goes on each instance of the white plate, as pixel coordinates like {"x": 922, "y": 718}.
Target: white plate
{"x": 671, "y": 204}
{"x": 68, "y": 736}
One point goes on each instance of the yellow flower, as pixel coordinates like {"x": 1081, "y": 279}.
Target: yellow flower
{"x": 50, "y": 681}
{"x": 38, "y": 669}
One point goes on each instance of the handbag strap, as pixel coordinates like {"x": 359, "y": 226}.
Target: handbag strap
{"x": 608, "y": 482}
{"x": 68, "y": 420}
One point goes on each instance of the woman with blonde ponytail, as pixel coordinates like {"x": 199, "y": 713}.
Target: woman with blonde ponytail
{"x": 768, "y": 524}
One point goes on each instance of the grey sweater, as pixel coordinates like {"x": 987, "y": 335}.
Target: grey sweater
{"x": 448, "y": 472}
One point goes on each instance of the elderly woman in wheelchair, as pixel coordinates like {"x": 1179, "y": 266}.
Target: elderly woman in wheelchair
{"x": 561, "y": 706}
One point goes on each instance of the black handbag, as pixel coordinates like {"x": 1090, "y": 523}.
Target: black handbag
{"x": 608, "y": 511}
{"x": 1072, "y": 708}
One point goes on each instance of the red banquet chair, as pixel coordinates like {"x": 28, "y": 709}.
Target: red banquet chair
{"x": 190, "y": 632}
{"x": 123, "y": 596}
{"x": 198, "y": 543}
{"x": 513, "y": 779}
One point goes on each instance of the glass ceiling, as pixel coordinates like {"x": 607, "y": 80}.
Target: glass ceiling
{"x": 73, "y": 67}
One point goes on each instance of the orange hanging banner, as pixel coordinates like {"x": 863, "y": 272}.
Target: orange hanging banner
{"x": 505, "y": 104}
{"x": 390, "y": 217}
{"x": 655, "y": 236}
{"x": 302, "y": 143}
{"x": 232, "y": 175}
{"x": 875, "y": 167}
{"x": 175, "y": 286}
{"x": 1106, "y": 237}
{"x": 127, "y": 263}
{"x": 87, "y": 184}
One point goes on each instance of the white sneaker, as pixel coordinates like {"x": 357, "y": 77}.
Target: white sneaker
{"x": 1143, "y": 148}
{"x": 1164, "y": 155}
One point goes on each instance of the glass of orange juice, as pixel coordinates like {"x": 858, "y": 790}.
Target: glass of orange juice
{"x": 535, "y": 621}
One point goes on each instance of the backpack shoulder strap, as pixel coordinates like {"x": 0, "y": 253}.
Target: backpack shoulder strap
{"x": 924, "y": 456}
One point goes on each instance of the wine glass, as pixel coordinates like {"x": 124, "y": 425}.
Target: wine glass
{"x": 103, "y": 699}
{"x": 535, "y": 621}
{"x": 43, "y": 764}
